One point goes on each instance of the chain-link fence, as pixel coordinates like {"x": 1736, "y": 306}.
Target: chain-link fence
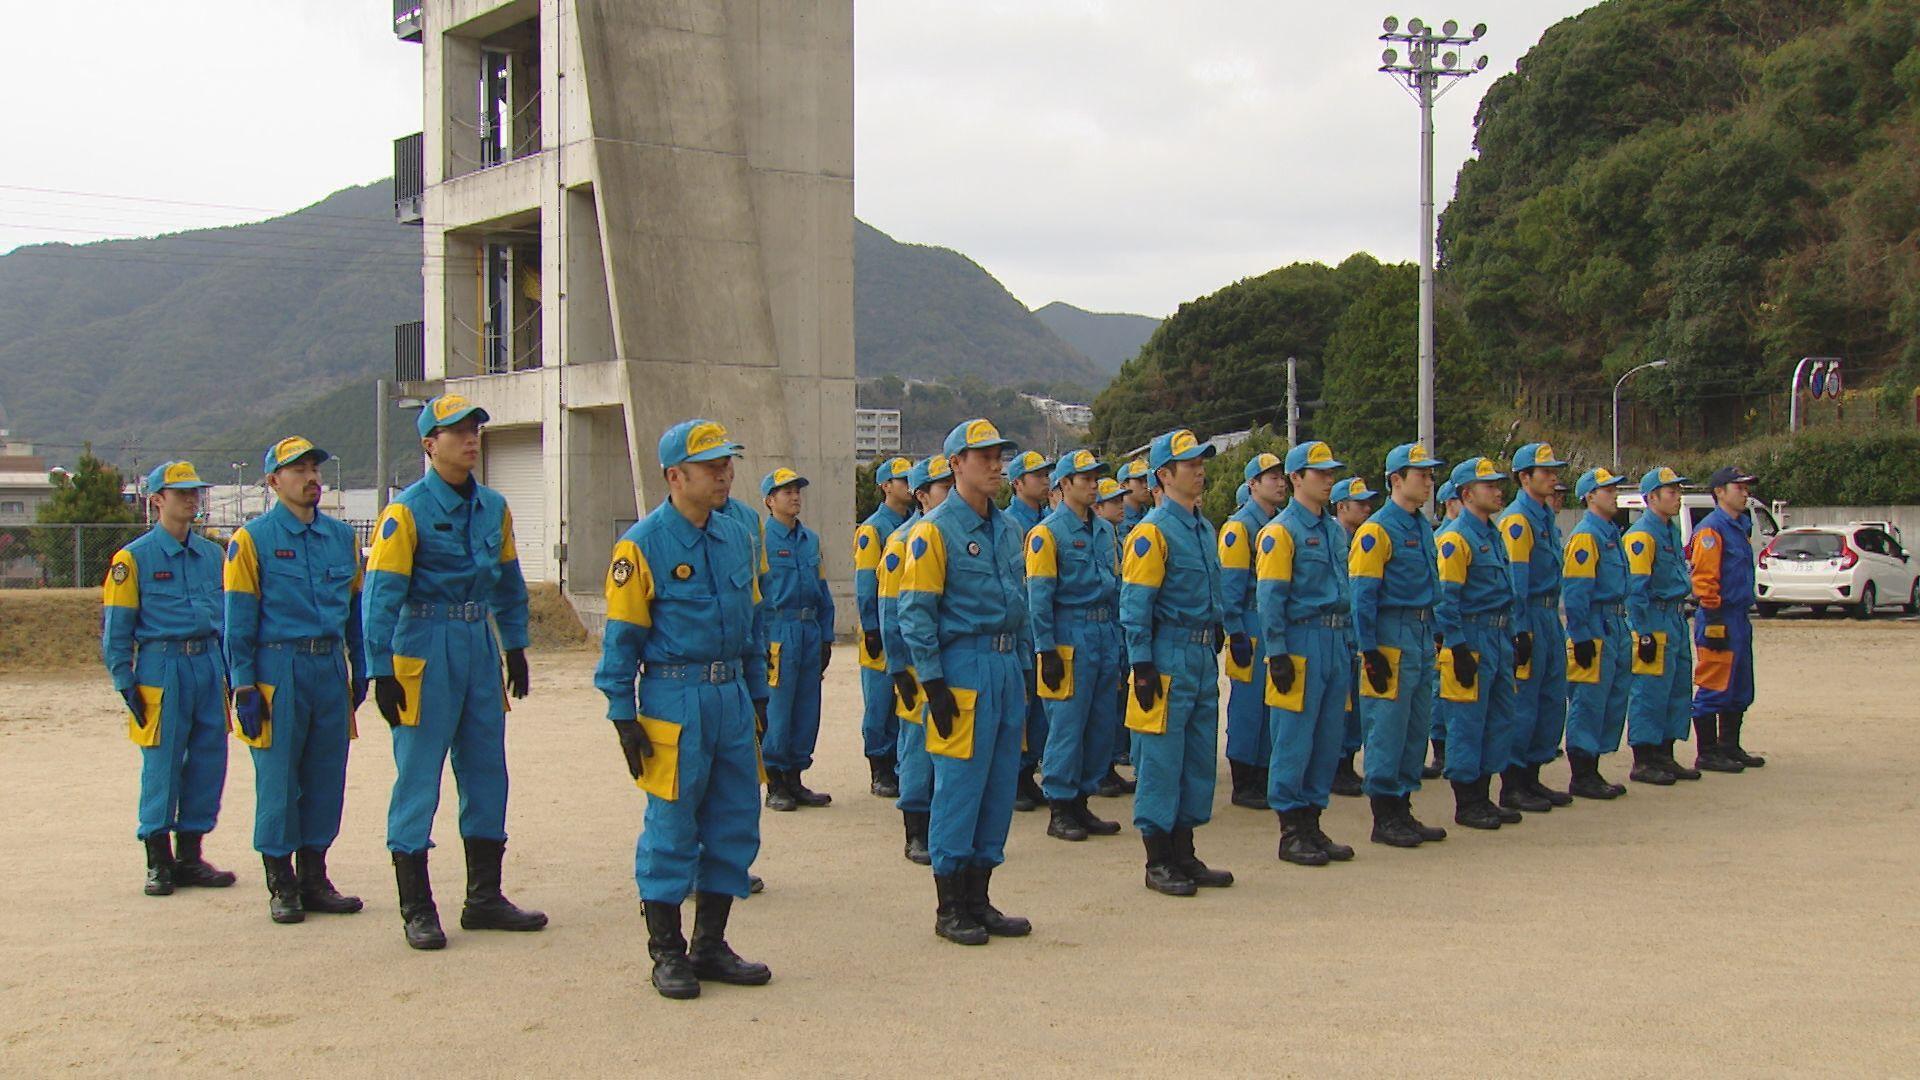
{"x": 77, "y": 556}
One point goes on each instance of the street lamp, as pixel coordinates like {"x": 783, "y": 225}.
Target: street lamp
{"x": 1616, "y": 404}
{"x": 1430, "y": 58}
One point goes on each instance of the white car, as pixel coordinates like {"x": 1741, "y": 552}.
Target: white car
{"x": 1694, "y": 508}
{"x": 1859, "y": 565}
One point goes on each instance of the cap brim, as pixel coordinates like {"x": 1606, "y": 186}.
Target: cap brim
{"x": 471, "y": 410}
{"x": 714, "y": 453}
{"x": 1323, "y": 466}
{"x": 319, "y": 456}
{"x": 184, "y": 485}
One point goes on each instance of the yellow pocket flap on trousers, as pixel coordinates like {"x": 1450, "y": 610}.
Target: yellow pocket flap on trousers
{"x": 1591, "y": 673}
{"x": 1294, "y": 700}
{"x": 265, "y": 741}
{"x": 1450, "y": 688}
{"x": 1149, "y": 721}
{"x": 1393, "y": 676}
{"x": 871, "y": 661}
{"x": 660, "y": 772}
{"x": 1243, "y": 672}
{"x": 411, "y": 671}
{"x": 1657, "y": 665}
{"x": 147, "y": 731}
{"x": 959, "y": 744}
{"x": 917, "y": 714}
{"x": 1712, "y": 668}
{"x": 1066, "y": 682}
{"x": 773, "y": 663}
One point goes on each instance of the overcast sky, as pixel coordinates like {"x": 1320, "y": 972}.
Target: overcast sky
{"x": 1121, "y": 155}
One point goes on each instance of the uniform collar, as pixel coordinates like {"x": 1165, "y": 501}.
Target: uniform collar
{"x": 686, "y": 532}
{"x": 774, "y": 528}
{"x": 1071, "y": 520}
{"x": 443, "y": 493}
{"x": 1298, "y": 510}
{"x": 1538, "y": 511}
{"x": 284, "y": 518}
{"x": 168, "y": 545}
{"x": 1606, "y": 527}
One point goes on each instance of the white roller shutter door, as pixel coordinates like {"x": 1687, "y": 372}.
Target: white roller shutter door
{"x": 513, "y": 468}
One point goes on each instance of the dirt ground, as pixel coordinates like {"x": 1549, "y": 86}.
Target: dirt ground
{"x": 1762, "y": 924}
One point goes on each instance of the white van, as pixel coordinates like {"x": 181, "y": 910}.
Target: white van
{"x": 1696, "y": 505}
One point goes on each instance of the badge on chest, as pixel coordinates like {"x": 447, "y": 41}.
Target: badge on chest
{"x": 683, "y": 572}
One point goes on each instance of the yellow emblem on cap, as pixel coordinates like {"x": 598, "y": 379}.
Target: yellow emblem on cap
{"x": 1544, "y": 453}
{"x": 704, "y": 437}
{"x": 1083, "y": 459}
{"x": 900, "y": 467}
{"x": 1668, "y": 476}
{"x": 1359, "y": 489}
{"x": 1485, "y": 468}
{"x": 783, "y": 477}
{"x": 1183, "y": 441}
{"x": 937, "y": 467}
{"x": 182, "y": 472}
{"x": 292, "y": 447}
{"x": 1602, "y": 476}
{"x": 1418, "y": 453}
{"x": 447, "y": 404}
{"x": 982, "y": 431}
{"x": 1319, "y": 453}
{"x": 1031, "y": 460}
{"x": 1109, "y": 488}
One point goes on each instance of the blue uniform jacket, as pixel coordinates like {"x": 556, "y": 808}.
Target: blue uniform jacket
{"x": 286, "y": 579}
{"x": 1302, "y": 575}
{"x": 1071, "y": 565}
{"x": 1596, "y": 574}
{"x": 158, "y": 589}
{"x": 964, "y": 576}
{"x": 793, "y": 577}
{"x": 1390, "y": 564}
{"x": 893, "y": 564}
{"x": 1656, "y": 569}
{"x": 1474, "y": 575}
{"x": 1171, "y": 577}
{"x": 1025, "y": 518}
{"x": 1532, "y": 540}
{"x": 1236, "y": 568}
{"x": 868, "y": 540}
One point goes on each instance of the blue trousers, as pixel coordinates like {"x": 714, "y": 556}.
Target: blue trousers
{"x": 1176, "y": 770}
{"x": 915, "y": 766}
{"x": 793, "y": 707}
{"x": 705, "y": 839}
{"x": 1659, "y": 707}
{"x": 1036, "y": 731}
{"x": 1732, "y": 661}
{"x": 300, "y": 779}
{"x": 1249, "y": 735}
{"x": 879, "y": 727}
{"x": 181, "y": 778}
{"x": 462, "y": 704}
{"x": 1306, "y": 744}
{"x": 1080, "y": 729}
{"x": 1540, "y": 703}
{"x": 1354, "y": 737}
{"x": 973, "y": 796}
{"x": 1596, "y": 712}
{"x": 1480, "y": 738}
{"x": 1397, "y": 727}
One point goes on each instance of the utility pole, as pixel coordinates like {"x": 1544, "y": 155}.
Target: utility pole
{"x": 1430, "y": 58}
{"x": 1293, "y": 403}
{"x": 1616, "y": 404}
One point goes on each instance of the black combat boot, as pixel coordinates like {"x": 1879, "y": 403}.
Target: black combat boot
{"x": 189, "y": 869}
{"x": 1587, "y": 781}
{"x": 1113, "y": 785}
{"x": 673, "y": 973}
{"x": 1336, "y": 852}
{"x": 1427, "y": 832}
{"x": 953, "y": 919}
{"x": 1516, "y": 794}
{"x": 710, "y": 955}
{"x": 1388, "y": 826}
{"x": 316, "y": 892}
{"x": 1438, "y": 766}
{"x": 1249, "y": 788}
{"x": 1667, "y": 762}
{"x": 1296, "y": 840}
{"x": 486, "y": 908}
{"x": 884, "y": 782}
{"x": 159, "y": 864}
{"x": 1552, "y": 795}
{"x": 1710, "y": 758}
{"x": 1471, "y": 808}
{"x": 1027, "y": 794}
{"x": 1730, "y": 740}
{"x": 1507, "y": 815}
{"x": 916, "y": 822}
{"x": 1162, "y": 875}
{"x": 1064, "y": 824}
{"x": 803, "y": 795}
{"x": 1346, "y": 781}
{"x": 1093, "y": 823}
{"x": 1189, "y": 864}
{"x": 779, "y": 796}
{"x": 421, "y": 918}
{"x": 1650, "y": 767}
{"x": 978, "y": 880}
{"x": 283, "y": 890}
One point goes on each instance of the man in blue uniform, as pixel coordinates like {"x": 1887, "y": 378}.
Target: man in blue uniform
{"x": 1170, "y": 613}
{"x": 296, "y": 656}
{"x": 1305, "y": 614}
{"x": 1600, "y": 652}
{"x": 1721, "y": 553}
{"x": 1534, "y": 549}
{"x": 963, "y": 615}
{"x": 932, "y": 481}
{"x": 1448, "y": 500}
{"x": 443, "y": 574}
{"x": 1659, "y": 701}
{"x": 1137, "y": 499}
{"x": 1109, "y": 503}
{"x": 1353, "y": 504}
{"x": 1391, "y": 574}
{"x": 799, "y": 626}
{"x": 1027, "y": 474}
{"x": 1476, "y": 609}
{"x": 1073, "y": 592}
{"x": 1248, "y": 745}
{"x": 879, "y": 727}
{"x": 684, "y": 619}
{"x": 160, "y": 639}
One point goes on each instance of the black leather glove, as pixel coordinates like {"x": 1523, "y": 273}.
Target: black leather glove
{"x": 1465, "y": 667}
{"x": 1146, "y": 684}
{"x": 359, "y": 685}
{"x": 517, "y": 672}
{"x": 634, "y": 744}
{"x": 826, "y": 656}
{"x": 390, "y": 698}
{"x": 1648, "y": 648}
{"x": 872, "y": 639}
{"x": 1240, "y": 647}
{"x": 1053, "y": 671}
{"x": 906, "y": 691}
{"x": 1439, "y": 641}
{"x": 1280, "y": 670}
{"x": 250, "y": 710}
{"x": 1379, "y": 672}
{"x": 760, "y": 717}
{"x": 1583, "y": 652}
{"x": 941, "y": 706}
{"x": 131, "y": 695}
{"x": 1522, "y": 649}
{"x": 1219, "y": 639}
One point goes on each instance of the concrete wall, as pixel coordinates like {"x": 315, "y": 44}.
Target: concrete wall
{"x": 1905, "y": 518}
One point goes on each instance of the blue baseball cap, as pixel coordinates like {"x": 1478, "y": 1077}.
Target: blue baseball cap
{"x": 292, "y": 449}
{"x": 895, "y": 468}
{"x": 928, "y": 471}
{"x": 1593, "y": 480}
{"x": 178, "y": 475}
{"x": 1475, "y": 469}
{"x": 1353, "y": 489}
{"x": 976, "y": 434}
{"x": 1110, "y": 490}
{"x": 1241, "y": 494}
{"x": 1312, "y": 455}
{"x": 1448, "y": 493}
{"x": 779, "y": 478}
{"x": 696, "y": 440}
{"x": 1028, "y": 461}
{"x": 1132, "y": 470}
{"x": 1729, "y": 475}
{"x": 446, "y": 411}
{"x": 1261, "y": 463}
{"x": 1411, "y": 455}
{"x": 1536, "y": 455}
{"x": 1153, "y": 481}
{"x": 1178, "y": 445}
{"x": 1075, "y": 462}
{"x": 1655, "y": 479}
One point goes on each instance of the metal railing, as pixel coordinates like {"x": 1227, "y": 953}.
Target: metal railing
{"x": 409, "y": 21}
{"x": 410, "y": 352}
{"x": 409, "y": 178}
{"x": 77, "y": 556}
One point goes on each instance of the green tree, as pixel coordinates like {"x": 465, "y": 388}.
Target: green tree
{"x": 89, "y": 495}
{"x": 1226, "y": 472}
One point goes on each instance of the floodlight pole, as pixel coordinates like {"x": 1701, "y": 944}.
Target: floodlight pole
{"x": 1616, "y": 404}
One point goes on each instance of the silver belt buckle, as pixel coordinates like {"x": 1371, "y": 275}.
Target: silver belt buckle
{"x": 717, "y": 672}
